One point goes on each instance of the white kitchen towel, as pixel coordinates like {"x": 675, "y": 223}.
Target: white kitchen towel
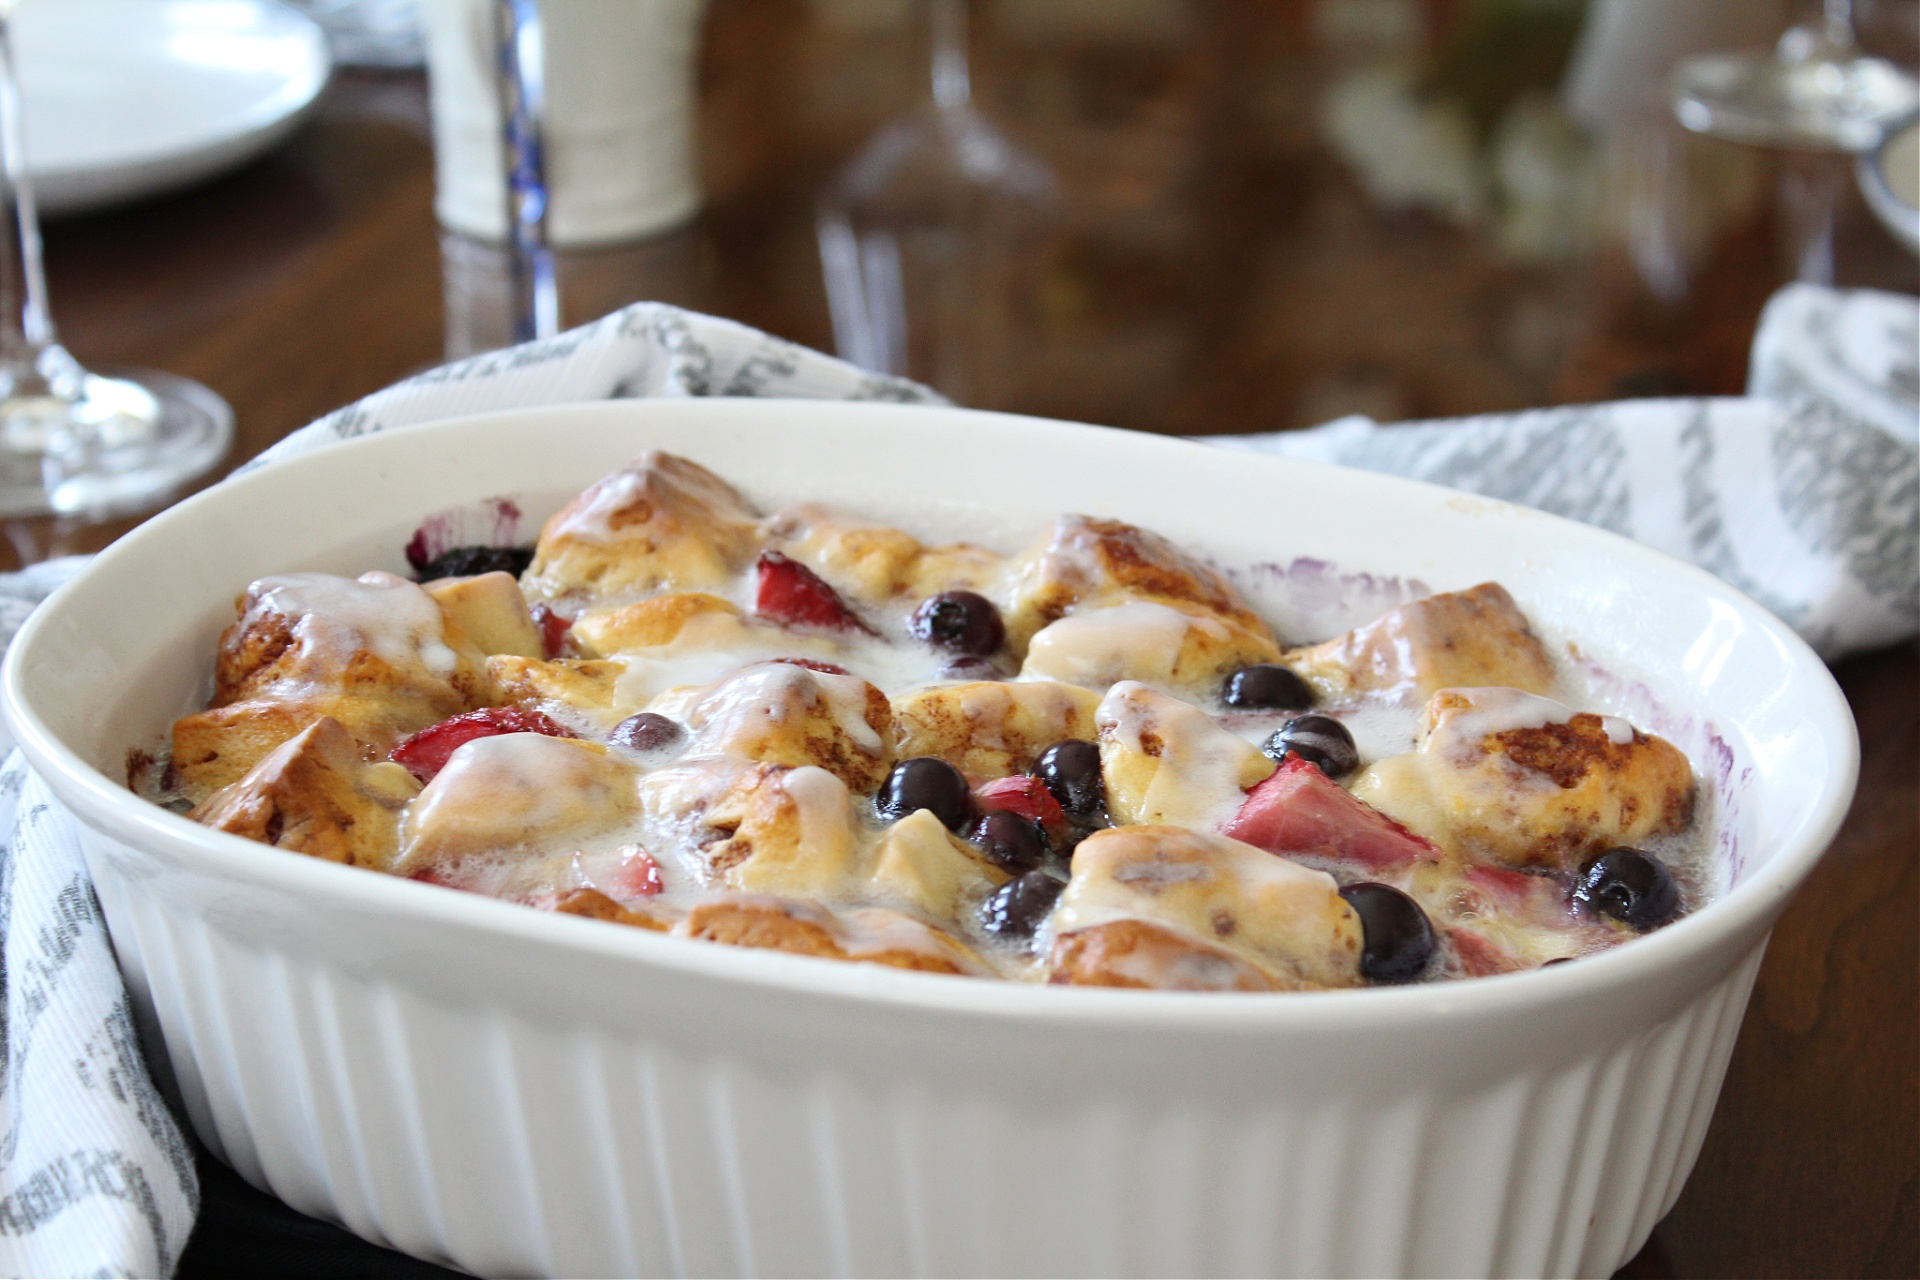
{"x": 1803, "y": 493}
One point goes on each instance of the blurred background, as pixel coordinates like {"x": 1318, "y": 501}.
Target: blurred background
{"x": 1232, "y": 216}
{"x": 1184, "y": 216}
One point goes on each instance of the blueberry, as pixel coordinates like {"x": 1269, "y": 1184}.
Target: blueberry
{"x": 1071, "y": 771}
{"x": 1010, "y": 841}
{"x": 1016, "y": 908}
{"x": 1634, "y": 888}
{"x": 959, "y": 622}
{"x": 1266, "y": 686}
{"x": 1398, "y": 938}
{"x": 1319, "y": 740}
{"x": 926, "y": 782}
{"x": 645, "y": 733}
{"x": 464, "y": 562}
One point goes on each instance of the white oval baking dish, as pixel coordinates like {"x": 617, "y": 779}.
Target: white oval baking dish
{"x": 521, "y": 1093}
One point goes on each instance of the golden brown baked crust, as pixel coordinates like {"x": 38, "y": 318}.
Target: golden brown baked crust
{"x": 759, "y": 787}
{"x": 1171, "y": 644}
{"x": 784, "y": 714}
{"x": 314, "y": 795}
{"x": 764, "y": 828}
{"x": 215, "y": 748}
{"x": 585, "y": 685}
{"x": 661, "y": 522}
{"x": 269, "y": 654}
{"x": 1136, "y": 953}
{"x": 248, "y": 648}
{"x": 991, "y": 728}
{"x": 277, "y": 672}
{"x": 508, "y": 797}
{"x": 767, "y": 923}
{"x": 922, "y": 865}
{"x": 875, "y": 564}
{"x": 1545, "y": 797}
{"x": 596, "y": 905}
{"x": 1458, "y": 639}
{"x": 1281, "y": 918}
{"x": 492, "y": 611}
{"x": 1085, "y": 562}
{"x": 645, "y": 624}
{"x": 803, "y": 928}
{"x": 1166, "y": 761}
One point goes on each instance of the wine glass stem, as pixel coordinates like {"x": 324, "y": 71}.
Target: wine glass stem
{"x": 952, "y": 83}
{"x": 1811, "y": 190}
{"x": 28, "y": 345}
{"x": 519, "y": 41}
{"x": 1839, "y": 22}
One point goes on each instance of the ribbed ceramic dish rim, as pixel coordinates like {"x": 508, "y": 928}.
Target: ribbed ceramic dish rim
{"x": 1751, "y": 904}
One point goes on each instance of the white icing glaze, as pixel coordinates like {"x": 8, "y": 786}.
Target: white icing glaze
{"x": 1381, "y": 725}
{"x": 592, "y": 521}
{"x": 1497, "y": 710}
{"x": 617, "y": 872}
{"x": 506, "y": 788}
{"x": 1282, "y": 917}
{"x": 1134, "y": 890}
{"x": 1202, "y": 769}
{"x": 377, "y": 613}
{"x": 518, "y": 792}
{"x": 742, "y": 706}
{"x": 711, "y": 645}
{"x": 707, "y": 648}
{"x": 1138, "y": 640}
{"x": 871, "y": 930}
{"x": 822, "y": 801}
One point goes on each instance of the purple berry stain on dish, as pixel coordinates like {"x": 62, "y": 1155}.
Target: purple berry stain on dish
{"x": 491, "y": 522}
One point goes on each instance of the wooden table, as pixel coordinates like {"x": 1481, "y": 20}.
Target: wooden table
{"x": 1222, "y": 271}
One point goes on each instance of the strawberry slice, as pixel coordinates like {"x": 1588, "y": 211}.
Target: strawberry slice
{"x": 1480, "y": 956}
{"x": 433, "y": 875}
{"x": 814, "y": 664}
{"x": 1514, "y": 889}
{"x": 638, "y": 875}
{"x": 795, "y": 596}
{"x": 1027, "y": 796}
{"x": 553, "y": 630}
{"x": 1300, "y": 810}
{"x": 425, "y": 753}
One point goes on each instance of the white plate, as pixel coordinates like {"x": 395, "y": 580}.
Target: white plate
{"x": 129, "y": 98}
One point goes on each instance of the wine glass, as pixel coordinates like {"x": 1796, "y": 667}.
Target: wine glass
{"x": 1816, "y": 91}
{"x": 929, "y": 240}
{"x": 520, "y": 42}
{"x": 72, "y": 442}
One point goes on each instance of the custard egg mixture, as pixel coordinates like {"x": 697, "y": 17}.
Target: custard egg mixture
{"x": 1090, "y": 763}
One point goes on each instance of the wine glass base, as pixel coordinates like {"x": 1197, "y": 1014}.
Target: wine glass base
{"x": 131, "y": 439}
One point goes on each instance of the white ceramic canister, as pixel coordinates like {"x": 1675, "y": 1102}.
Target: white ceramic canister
{"x": 620, "y": 117}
